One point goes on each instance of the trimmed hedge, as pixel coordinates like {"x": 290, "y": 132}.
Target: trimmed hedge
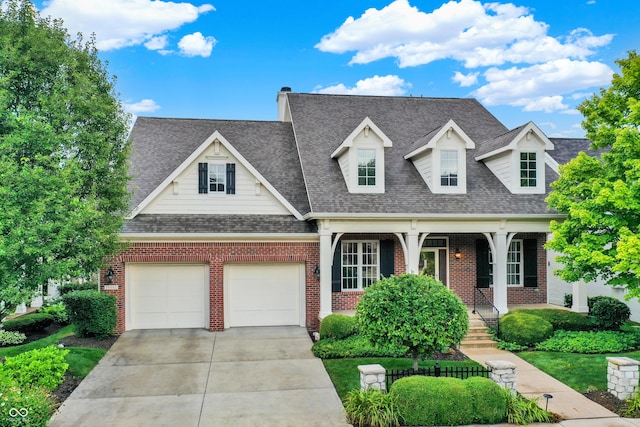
{"x": 93, "y": 313}
{"x": 28, "y": 323}
{"x": 338, "y": 326}
{"x": 609, "y": 313}
{"x": 561, "y": 319}
{"x": 442, "y": 401}
{"x": 354, "y": 346}
{"x": 71, "y": 287}
{"x": 524, "y": 328}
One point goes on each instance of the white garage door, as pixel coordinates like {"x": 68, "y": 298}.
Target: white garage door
{"x": 167, "y": 296}
{"x": 264, "y": 294}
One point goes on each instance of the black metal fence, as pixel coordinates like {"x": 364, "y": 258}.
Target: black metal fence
{"x": 483, "y": 307}
{"x": 462, "y": 372}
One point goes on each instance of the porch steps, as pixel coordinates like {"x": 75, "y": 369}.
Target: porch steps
{"x": 478, "y": 337}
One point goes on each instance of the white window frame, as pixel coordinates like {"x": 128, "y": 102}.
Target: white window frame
{"x": 360, "y": 266}
{"x": 214, "y": 170}
{"x": 528, "y": 170}
{"x": 520, "y": 264}
{"x": 450, "y": 161}
{"x": 368, "y": 152}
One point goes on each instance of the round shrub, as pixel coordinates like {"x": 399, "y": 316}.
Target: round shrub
{"x": 93, "y": 313}
{"x": 338, "y": 326}
{"x": 58, "y": 311}
{"x": 432, "y": 401}
{"x": 28, "y": 323}
{"x": 524, "y": 329}
{"x": 565, "y": 320}
{"x": 609, "y": 313}
{"x": 488, "y": 400}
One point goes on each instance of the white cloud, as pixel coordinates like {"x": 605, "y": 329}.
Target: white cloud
{"x": 465, "y": 80}
{"x": 539, "y": 87}
{"x": 144, "y": 106}
{"x": 196, "y": 45}
{"x": 465, "y": 30}
{"x": 389, "y": 85}
{"x": 157, "y": 43}
{"x": 121, "y": 23}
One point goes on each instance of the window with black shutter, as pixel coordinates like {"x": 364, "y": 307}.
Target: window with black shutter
{"x": 203, "y": 178}
{"x": 530, "y": 255}
{"x": 231, "y": 178}
{"x": 483, "y": 276}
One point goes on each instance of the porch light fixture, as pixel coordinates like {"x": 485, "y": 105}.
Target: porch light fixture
{"x": 316, "y": 272}
{"x": 109, "y": 275}
{"x": 457, "y": 254}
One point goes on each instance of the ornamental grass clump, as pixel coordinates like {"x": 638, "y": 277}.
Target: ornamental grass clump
{"x": 371, "y": 408}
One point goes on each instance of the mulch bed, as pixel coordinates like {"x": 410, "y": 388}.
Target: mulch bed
{"x": 606, "y": 399}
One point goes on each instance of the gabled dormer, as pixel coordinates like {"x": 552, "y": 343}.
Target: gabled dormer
{"x": 441, "y": 158}
{"x": 361, "y": 158}
{"x": 517, "y": 159}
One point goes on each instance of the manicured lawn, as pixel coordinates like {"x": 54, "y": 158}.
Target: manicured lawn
{"x": 81, "y": 360}
{"x": 345, "y": 375}
{"x": 578, "y": 371}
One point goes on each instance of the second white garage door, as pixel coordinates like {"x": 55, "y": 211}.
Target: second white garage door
{"x": 264, "y": 294}
{"x": 167, "y": 296}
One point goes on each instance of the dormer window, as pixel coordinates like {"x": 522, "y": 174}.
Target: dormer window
{"x": 367, "y": 167}
{"x": 361, "y": 158}
{"x": 217, "y": 178}
{"x": 449, "y": 168}
{"x": 528, "y": 167}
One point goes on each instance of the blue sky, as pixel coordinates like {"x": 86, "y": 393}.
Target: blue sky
{"x": 530, "y": 60}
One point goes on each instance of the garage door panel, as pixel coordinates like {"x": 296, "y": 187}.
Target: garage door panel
{"x": 167, "y": 296}
{"x": 263, "y": 294}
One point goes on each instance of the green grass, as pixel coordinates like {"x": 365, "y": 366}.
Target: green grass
{"x": 578, "y": 371}
{"x": 80, "y": 360}
{"x": 345, "y": 375}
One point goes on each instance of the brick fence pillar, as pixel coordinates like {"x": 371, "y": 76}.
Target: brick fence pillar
{"x": 503, "y": 373}
{"x": 372, "y": 376}
{"x": 622, "y": 377}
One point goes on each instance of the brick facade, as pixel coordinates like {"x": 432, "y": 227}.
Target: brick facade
{"x": 216, "y": 255}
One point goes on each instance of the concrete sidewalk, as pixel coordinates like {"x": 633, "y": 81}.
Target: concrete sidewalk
{"x": 575, "y": 409}
{"x": 196, "y": 378}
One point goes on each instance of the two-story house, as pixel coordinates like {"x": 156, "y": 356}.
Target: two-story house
{"x": 247, "y": 223}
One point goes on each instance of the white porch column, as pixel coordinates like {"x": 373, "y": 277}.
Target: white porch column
{"x": 580, "y": 297}
{"x": 326, "y": 260}
{"x": 413, "y": 247}
{"x": 500, "y": 271}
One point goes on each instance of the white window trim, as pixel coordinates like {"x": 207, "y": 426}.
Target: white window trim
{"x": 355, "y": 187}
{"x": 461, "y": 188}
{"x": 540, "y": 177}
{"x": 359, "y": 287}
{"x": 210, "y": 169}
{"x": 362, "y": 151}
{"x": 490, "y": 260}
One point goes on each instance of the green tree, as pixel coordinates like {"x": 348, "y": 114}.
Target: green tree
{"x": 63, "y": 154}
{"x": 417, "y": 312}
{"x": 601, "y": 196}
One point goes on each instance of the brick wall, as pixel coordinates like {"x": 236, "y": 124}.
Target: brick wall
{"x": 216, "y": 255}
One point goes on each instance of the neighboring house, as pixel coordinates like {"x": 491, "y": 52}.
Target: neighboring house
{"x": 238, "y": 223}
{"x": 565, "y": 150}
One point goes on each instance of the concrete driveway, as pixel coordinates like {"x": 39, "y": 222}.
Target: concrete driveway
{"x": 190, "y": 377}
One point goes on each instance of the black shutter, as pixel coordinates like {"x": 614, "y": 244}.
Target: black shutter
{"x": 482, "y": 263}
{"x": 203, "y": 178}
{"x": 530, "y": 258}
{"x": 231, "y": 178}
{"x": 387, "y": 248}
{"x": 336, "y": 270}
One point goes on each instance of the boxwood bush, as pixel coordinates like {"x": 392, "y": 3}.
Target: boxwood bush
{"x": 93, "y": 313}
{"x": 561, "y": 319}
{"x": 589, "y": 342}
{"x": 28, "y": 323}
{"x": 609, "y": 313}
{"x": 354, "y": 346}
{"x": 431, "y": 401}
{"x": 524, "y": 328}
{"x": 338, "y": 326}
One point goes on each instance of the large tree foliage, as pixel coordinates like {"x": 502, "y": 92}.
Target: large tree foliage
{"x": 600, "y": 237}
{"x": 417, "y": 312}
{"x": 63, "y": 154}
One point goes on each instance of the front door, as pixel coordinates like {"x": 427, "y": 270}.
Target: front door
{"x": 433, "y": 262}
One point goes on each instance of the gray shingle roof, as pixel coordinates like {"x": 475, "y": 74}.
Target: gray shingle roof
{"x": 240, "y": 224}
{"x": 498, "y": 142}
{"x": 322, "y": 122}
{"x": 160, "y": 145}
{"x": 568, "y": 148}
